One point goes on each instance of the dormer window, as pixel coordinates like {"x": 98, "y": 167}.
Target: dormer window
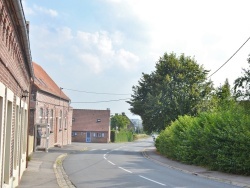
{"x": 98, "y": 120}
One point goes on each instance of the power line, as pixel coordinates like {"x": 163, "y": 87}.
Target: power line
{"x": 230, "y": 58}
{"x": 96, "y": 92}
{"x": 102, "y": 101}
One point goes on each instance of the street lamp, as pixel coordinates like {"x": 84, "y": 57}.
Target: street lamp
{"x": 25, "y": 94}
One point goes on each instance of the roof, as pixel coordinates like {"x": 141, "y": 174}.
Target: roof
{"x": 90, "y": 120}
{"x": 24, "y": 28}
{"x": 44, "y": 82}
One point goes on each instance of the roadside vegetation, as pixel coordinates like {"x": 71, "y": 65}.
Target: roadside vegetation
{"x": 123, "y": 131}
{"x": 198, "y": 124}
{"x": 140, "y": 136}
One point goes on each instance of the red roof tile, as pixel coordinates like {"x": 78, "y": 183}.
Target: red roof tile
{"x": 44, "y": 82}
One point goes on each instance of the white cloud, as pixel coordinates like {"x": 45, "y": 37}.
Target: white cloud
{"x": 211, "y": 31}
{"x": 65, "y": 34}
{"x": 92, "y": 61}
{"x": 101, "y": 45}
{"x": 127, "y": 59}
{"x": 130, "y": 36}
{"x": 50, "y": 12}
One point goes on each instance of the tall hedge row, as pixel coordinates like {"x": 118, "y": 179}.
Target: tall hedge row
{"x": 121, "y": 136}
{"x": 218, "y": 140}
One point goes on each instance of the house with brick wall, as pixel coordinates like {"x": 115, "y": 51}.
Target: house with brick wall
{"x": 91, "y": 126}
{"x": 16, "y": 75}
{"x": 50, "y": 112}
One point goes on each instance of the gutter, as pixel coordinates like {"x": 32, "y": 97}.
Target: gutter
{"x": 24, "y": 33}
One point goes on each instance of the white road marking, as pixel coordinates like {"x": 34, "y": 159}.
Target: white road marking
{"x": 104, "y": 156}
{"x": 153, "y": 181}
{"x": 110, "y": 162}
{"x": 125, "y": 169}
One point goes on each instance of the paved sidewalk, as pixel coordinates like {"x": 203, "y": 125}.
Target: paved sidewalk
{"x": 40, "y": 172}
{"x": 45, "y": 169}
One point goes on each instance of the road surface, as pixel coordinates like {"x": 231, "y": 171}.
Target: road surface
{"x": 123, "y": 165}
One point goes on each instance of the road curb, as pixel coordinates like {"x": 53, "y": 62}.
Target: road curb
{"x": 62, "y": 178}
{"x": 145, "y": 155}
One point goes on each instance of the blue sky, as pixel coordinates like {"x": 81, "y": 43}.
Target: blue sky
{"x": 103, "y": 46}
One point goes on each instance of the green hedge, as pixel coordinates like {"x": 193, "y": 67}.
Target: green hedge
{"x": 219, "y": 140}
{"x": 121, "y": 136}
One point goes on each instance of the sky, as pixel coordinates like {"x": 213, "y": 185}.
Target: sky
{"x": 96, "y": 50}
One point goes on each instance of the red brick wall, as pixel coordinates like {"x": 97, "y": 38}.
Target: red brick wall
{"x": 58, "y": 136}
{"x": 14, "y": 74}
{"x": 13, "y": 71}
{"x": 80, "y": 136}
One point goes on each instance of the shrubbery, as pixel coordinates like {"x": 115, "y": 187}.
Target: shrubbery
{"x": 219, "y": 140}
{"x": 140, "y": 136}
{"x": 121, "y": 136}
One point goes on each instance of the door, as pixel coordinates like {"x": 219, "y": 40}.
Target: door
{"x": 88, "y": 137}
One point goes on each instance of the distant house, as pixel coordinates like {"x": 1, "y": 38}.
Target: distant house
{"x": 50, "y": 112}
{"x": 131, "y": 125}
{"x": 91, "y": 126}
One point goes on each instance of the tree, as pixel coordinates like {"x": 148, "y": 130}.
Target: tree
{"x": 119, "y": 122}
{"x": 224, "y": 92}
{"x": 176, "y": 87}
{"x": 242, "y": 84}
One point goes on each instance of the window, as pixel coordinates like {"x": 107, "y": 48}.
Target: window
{"x": 94, "y": 134}
{"x": 65, "y": 123}
{"x": 41, "y": 115}
{"x": 47, "y": 116}
{"x": 8, "y": 141}
{"x": 1, "y": 116}
{"x": 99, "y": 135}
{"x": 51, "y": 121}
{"x": 60, "y": 120}
{"x": 74, "y": 133}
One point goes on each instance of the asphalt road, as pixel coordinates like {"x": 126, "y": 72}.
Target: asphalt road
{"x": 123, "y": 165}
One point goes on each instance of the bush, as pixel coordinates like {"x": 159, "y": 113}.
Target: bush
{"x": 140, "y": 136}
{"x": 121, "y": 136}
{"x": 219, "y": 140}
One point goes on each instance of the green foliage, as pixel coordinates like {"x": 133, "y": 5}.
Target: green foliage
{"x": 121, "y": 136}
{"x": 219, "y": 140}
{"x": 242, "y": 84}
{"x": 177, "y": 87}
{"x": 223, "y": 92}
{"x": 119, "y": 122}
{"x": 140, "y": 136}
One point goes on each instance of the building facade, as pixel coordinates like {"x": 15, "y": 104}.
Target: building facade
{"x": 50, "y": 112}
{"x": 91, "y": 126}
{"x": 16, "y": 75}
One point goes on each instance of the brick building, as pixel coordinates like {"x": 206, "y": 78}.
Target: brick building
{"x": 16, "y": 74}
{"x": 91, "y": 126}
{"x": 49, "y": 107}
